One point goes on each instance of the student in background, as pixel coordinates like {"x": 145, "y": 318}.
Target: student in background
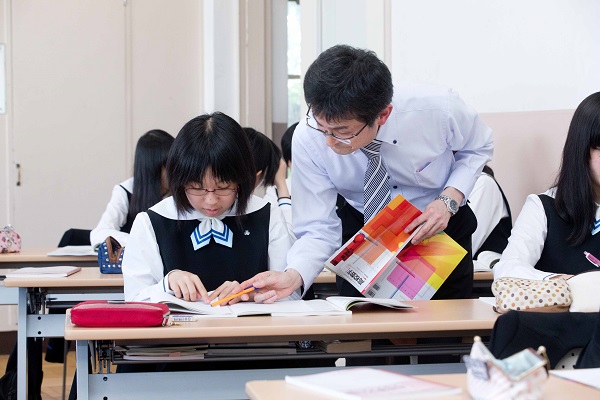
{"x": 147, "y": 187}
{"x": 271, "y": 182}
{"x": 548, "y": 241}
{"x": 150, "y": 158}
{"x": 490, "y": 206}
{"x": 556, "y": 227}
{"x": 212, "y": 232}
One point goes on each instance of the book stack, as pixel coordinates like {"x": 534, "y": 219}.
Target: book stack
{"x": 344, "y": 346}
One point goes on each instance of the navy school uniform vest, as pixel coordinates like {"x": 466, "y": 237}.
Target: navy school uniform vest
{"x": 215, "y": 263}
{"x": 558, "y": 256}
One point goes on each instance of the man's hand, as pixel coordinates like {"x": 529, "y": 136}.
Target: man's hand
{"x": 271, "y": 285}
{"x": 435, "y": 217}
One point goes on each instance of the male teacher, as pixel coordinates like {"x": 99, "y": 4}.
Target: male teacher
{"x": 370, "y": 141}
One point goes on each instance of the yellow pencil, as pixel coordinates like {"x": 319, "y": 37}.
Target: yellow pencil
{"x": 233, "y": 296}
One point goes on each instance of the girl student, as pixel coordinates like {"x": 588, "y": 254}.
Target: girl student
{"x": 147, "y": 187}
{"x": 549, "y": 241}
{"x": 212, "y": 232}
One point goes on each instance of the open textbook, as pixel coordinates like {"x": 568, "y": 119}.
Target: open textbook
{"x": 370, "y": 383}
{"x": 334, "y": 305}
{"x": 380, "y": 261}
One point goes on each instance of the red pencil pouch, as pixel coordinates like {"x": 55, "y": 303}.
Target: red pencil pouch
{"x": 102, "y": 313}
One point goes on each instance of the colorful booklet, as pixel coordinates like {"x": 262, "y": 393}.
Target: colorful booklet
{"x": 370, "y": 383}
{"x": 380, "y": 261}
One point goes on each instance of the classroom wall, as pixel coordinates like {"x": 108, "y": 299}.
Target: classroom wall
{"x": 524, "y": 65}
{"x": 82, "y": 87}
{"x": 4, "y": 163}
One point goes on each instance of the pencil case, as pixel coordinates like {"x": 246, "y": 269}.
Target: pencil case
{"x": 110, "y": 256}
{"x": 10, "y": 241}
{"x": 103, "y": 313}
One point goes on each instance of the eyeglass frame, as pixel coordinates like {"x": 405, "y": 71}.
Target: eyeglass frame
{"x": 345, "y": 140}
{"x": 213, "y": 191}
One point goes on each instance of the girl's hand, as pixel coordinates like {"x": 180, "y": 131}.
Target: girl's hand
{"x": 226, "y": 289}
{"x": 187, "y": 286}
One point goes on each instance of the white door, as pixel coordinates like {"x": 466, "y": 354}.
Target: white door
{"x": 70, "y": 126}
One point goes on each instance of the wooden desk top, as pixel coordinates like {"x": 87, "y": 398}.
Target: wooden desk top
{"x": 87, "y": 277}
{"x": 483, "y": 276}
{"x": 556, "y": 389}
{"x": 33, "y": 255}
{"x": 431, "y": 318}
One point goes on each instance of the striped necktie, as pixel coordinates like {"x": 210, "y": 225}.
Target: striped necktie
{"x": 377, "y": 192}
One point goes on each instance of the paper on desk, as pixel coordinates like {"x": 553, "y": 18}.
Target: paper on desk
{"x": 73, "y": 251}
{"x": 587, "y": 376}
{"x": 59, "y": 271}
{"x": 488, "y": 300}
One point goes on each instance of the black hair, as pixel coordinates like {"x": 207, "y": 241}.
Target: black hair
{"x": 347, "y": 83}
{"x": 267, "y": 155}
{"x": 212, "y": 142}
{"x": 151, "y": 152}
{"x": 286, "y": 143}
{"x": 575, "y": 201}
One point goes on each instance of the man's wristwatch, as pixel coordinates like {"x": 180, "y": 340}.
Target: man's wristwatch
{"x": 451, "y": 204}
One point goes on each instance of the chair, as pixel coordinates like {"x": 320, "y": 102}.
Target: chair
{"x": 569, "y": 360}
{"x": 75, "y": 237}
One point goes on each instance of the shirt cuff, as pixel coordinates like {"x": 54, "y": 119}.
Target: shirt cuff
{"x": 165, "y": 283}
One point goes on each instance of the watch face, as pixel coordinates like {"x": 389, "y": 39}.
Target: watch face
{"x": 453, "y": 206}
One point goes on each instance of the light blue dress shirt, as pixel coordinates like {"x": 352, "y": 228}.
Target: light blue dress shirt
{"x": 432, "y": 140}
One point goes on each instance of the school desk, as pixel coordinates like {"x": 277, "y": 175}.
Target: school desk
{"x": 37, "y": 294}
{"x": 38, "y": 257}
{"x": 437, "y": 318}
{"x": 555, "y": 389}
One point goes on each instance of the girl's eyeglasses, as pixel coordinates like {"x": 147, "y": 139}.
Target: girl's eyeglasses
{"x": 203, "y": 192}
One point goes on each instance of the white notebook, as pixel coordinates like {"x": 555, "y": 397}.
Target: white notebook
{"x": 370, "y": 383}
{"x": 44, "y": 272}
{"x": 73, "y": 251}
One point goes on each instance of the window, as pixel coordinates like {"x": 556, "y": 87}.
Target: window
{"x": 295, "y": 94}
